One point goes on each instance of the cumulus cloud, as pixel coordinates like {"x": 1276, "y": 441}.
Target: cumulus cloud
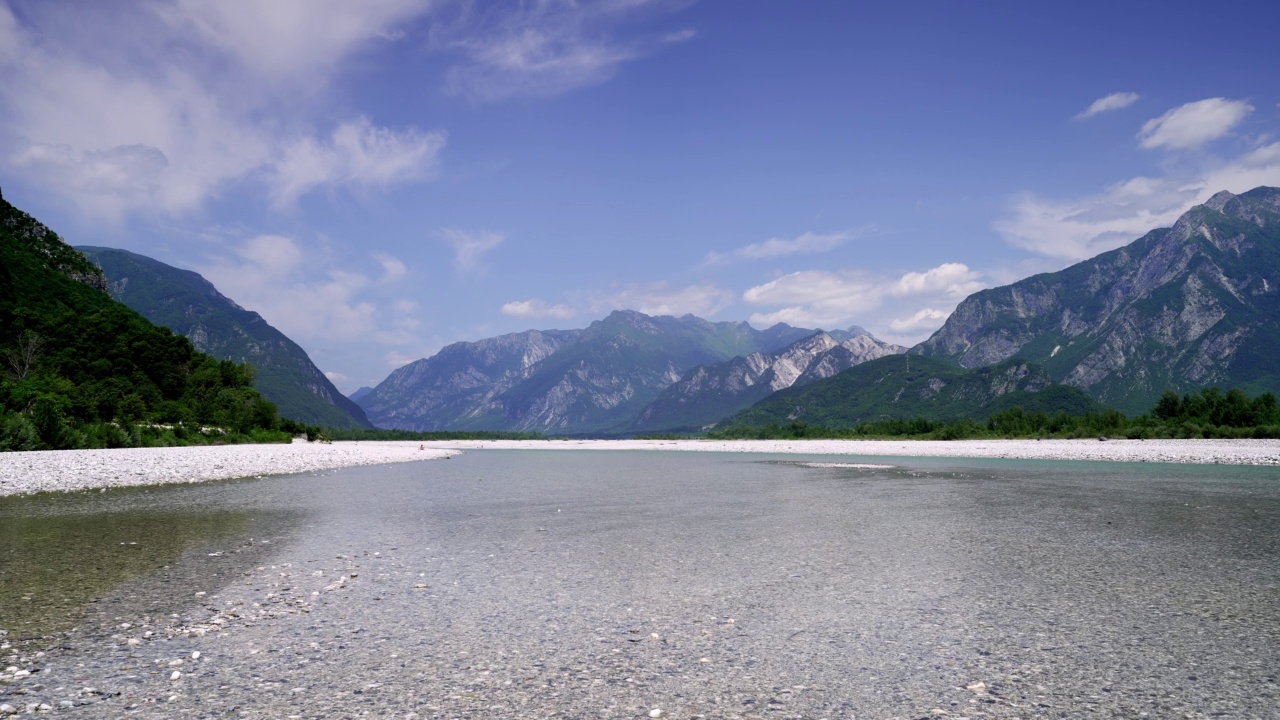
{"x": 1114, "y": 101}
{"x": 821, "y": 298}
{"x": 948, "y": 279}
{"x": 1079, "y": 228}
{"x": 470, "y": 247}
{"x": 545, "y": 48}
{"x": 660, "y": 298}
{"x": 807, "y": 244}
{"x": 157, "y": 107}
{"x": 306, "y": 294}
{"x": 923, "y": 319}
{"x": 1193, "y": 124}
{"x": 535, "y": 308}
{"x": 335, "y": 377}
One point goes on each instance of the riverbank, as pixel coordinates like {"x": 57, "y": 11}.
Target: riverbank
{"x": 71, "y": 470}
{"x": 1220, "y": 452}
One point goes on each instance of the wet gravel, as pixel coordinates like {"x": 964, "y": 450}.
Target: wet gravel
{"x": 631, "y": 585}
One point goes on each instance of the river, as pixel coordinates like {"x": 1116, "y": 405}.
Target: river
{"x": 650, "y": 584}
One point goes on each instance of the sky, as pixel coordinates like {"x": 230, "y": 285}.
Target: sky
{"x": 382, "y": 178}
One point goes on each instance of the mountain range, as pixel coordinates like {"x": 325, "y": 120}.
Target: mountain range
{"x": 911, "y": 386}
{"x": 1185, "y": 307}
{"x": 190, "y": 305}
{"x": 709, "y": 393}
{"x": 594, "y": 380}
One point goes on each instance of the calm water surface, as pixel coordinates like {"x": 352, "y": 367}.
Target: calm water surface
{"x": 608, "y": 584}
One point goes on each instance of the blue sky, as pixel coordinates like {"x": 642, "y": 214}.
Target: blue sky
{"x": 380, "y": 179}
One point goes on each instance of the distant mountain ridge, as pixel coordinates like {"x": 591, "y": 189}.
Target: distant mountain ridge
{"x": 709, "y": 393}
{"x": 594, "y": 380}
{"x": 188, "y": 304}
{"x": 1186, "y": 307}
{"x": 911, "y": 386}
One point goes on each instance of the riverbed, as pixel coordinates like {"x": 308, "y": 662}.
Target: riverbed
{"x": 632, "y": 584}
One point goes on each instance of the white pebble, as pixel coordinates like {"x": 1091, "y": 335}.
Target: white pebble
{"x": 176, "y": 675}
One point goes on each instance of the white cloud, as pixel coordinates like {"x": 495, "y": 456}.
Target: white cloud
{"x": 306, "y": 294}
{"x": 336, "y": 377}
{"x": 659, "y": 298}
{"x": 807, "y": 244}
{"x": 924, "y": 319}
{"x": 821, "y": 298}
{"x": 395, "y": 359}
{"x": 949, "y": 279}
{"x": 537, "y": 309}
{"x": 393, "y": 268}
{"x": 1079, "y": 228}
{"x": 470, "y": 247}
{"x": 290, "y": 39}
{"x": 1193, "y": 124}
{"x": 157, "y": 107}
{"x": 1114, "y": 101}
{"x": 545, "y": 48}
{"x": 357, "y": 155}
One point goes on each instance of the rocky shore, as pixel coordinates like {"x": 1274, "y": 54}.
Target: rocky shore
{"x": 72, "y": 470}
{"x": 1220, "y": 452}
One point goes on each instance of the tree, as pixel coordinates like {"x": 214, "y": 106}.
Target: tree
{"x": 25, "y": 355}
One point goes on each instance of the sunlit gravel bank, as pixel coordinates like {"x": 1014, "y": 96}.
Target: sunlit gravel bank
{"x": 66, "y": 470}
{"x": 1227, "y": 452}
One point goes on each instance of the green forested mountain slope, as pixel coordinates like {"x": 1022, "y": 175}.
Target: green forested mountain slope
{"x": 74, "y": 357}
{"x": 1186, "y": 307}
{"x": 906, "y": 386}
{"x": 190, "y": 305}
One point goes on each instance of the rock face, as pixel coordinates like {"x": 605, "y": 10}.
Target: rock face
{"x": 455, "y": 389}
{"x": 1186, "y": 307}
{"x": 906, "y": 386}
{"x": 594, "y": 380}
{"x": 189, "y": 305}
{"x": 709, "y": 393}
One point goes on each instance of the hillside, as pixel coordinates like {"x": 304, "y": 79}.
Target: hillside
{"x": 906, "y": 386}
{"x": 1186, "y": 307}
{"x": 76, "y": 359}
{"x": 190, "y": 305}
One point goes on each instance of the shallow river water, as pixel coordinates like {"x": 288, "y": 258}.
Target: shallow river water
{"x": 569, "y": 584}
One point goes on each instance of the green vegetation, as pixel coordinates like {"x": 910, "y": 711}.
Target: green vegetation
{"x": 911, "y": 386}
{"x": 1209, "y": 413}
{"x": 363, "y": 434}
{"x": 189, "y": 305}
{"x": 81, "y": 370}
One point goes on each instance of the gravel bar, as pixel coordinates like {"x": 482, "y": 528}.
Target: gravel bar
{"x": 71, "y": 470}
{"x": 1212, "y": 452}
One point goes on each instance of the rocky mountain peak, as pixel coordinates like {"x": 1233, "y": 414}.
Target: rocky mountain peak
{"x": 1220, "y": 200}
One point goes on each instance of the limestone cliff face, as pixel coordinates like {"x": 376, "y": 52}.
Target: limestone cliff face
{"x": 1185, "y": 307}
{"x": 710, "y": 393}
